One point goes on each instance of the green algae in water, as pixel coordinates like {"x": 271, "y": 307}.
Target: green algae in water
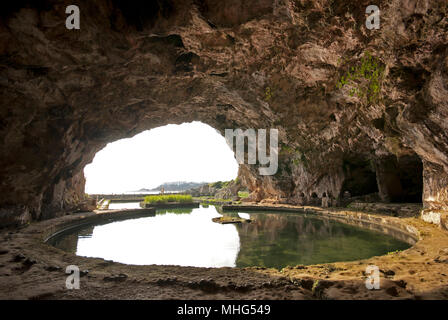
{"x": 288, "y": 240}
{"x": 190, "y": 238}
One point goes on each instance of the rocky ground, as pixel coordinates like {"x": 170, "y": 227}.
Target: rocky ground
{"x": 31, "y": 269}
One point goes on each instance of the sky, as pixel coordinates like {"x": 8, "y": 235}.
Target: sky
{"x": 188, "y": 152}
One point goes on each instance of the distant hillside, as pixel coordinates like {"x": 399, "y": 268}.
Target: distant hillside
{"x": 178, "y": 186}
{"x": 141, "y": 190}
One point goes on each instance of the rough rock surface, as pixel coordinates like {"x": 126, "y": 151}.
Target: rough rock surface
{"x": 229, "y": 191}
{"x": 136, "y": 65}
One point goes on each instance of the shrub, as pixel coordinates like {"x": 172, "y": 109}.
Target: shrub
{"x": 217, "y": 184}
{"x": 268, "y": 94}
{"x": 168, "y": 198}
{"x": 243, "y": 194}
{"x": 367, "y": 76}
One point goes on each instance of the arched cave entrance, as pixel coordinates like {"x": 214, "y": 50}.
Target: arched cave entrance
{"x": 400, "y": 179}
{"x": 388, "y": 179}
{"x": 185, "y": 154}
{"x": 360, "y": 178}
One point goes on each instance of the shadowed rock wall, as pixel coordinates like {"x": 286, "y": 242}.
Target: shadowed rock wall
{"x": 137, "y": 65}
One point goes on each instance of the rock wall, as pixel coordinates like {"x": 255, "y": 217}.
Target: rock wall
{"x": 137, "y": 65}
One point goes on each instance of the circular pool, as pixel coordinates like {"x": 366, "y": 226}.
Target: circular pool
{"x": 188, "y": 237}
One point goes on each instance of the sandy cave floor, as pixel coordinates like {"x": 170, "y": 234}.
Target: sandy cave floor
{"x": 32, "y": 269}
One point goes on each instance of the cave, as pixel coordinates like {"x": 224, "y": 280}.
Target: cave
{"x": 137, "y": 65}
{"x": 361, "y": 113}
{"x": 360, "y": 177}
{"x": 389, "y": 179}
{"x": 400, "y": 180}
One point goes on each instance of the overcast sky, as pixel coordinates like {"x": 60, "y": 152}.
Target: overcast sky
{"x": 187, "y": 152}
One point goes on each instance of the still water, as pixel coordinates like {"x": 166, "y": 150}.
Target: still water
{"x": 124, "y": 205}
{"x": 188, "y": 237}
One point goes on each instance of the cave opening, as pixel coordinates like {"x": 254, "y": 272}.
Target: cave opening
{"x": 360, "y": 177}
{"x": 187, "y": 153}
{"x": 386, "y": 179}
{"x": 400, "y": 179}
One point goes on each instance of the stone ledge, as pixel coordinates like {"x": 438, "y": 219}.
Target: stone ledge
{"x": 85, "y": 218}
{"x": 394, "y": 209}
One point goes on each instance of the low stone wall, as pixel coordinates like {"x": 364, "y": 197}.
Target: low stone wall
{"x": 95, "y": 217}
{"x": 211, "y": 202}
{"x": 106, "y": 216}
{"x": 126, "y": 200}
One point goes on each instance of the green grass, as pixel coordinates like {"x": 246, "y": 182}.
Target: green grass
{"x": 393, "y": 252}
{"x": 243, "y": 194}
{"x": 268, "y": 94}
{"x": 175, "y": 211}
{"x": 168, "y": 198}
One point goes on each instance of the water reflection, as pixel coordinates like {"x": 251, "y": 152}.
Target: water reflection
{"x": 278, "y": 240}
{"x": 188, "y": 237}
{"x": 124, "y": 205}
